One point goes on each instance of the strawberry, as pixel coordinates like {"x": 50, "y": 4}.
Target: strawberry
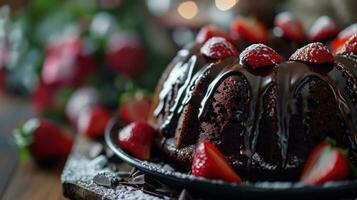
{"x": 249, "y": 29}
{"x": 350, "y": 47}
{"x": 49, "y": 100}
{"x": 80, "y": 100}
{"x": 126, "y": 55}
{"x": 209, "y": 162}
{"x": 290, "y": 26}
{"x": 210, "y": 31}
{"x": 44, "y": 140}
{"x": 42, "y": 98}
{"x": 2, "y": 79}
{"x": 218, "y": 48}
{"x": 260, "y": 55}
{"x": 135, "y": 107}
{"x": 93, "y": 121}
{"x": 136, "y": 138}
{"x": 322, "y": 29}
{"x": 66, "y": 63}
{"x": 343, "y": 36}
{"x": 313, "y": 53}
{"x": 325, "y": 163}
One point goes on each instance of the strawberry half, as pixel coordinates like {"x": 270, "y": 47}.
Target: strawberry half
{"x": 290, "y": 26}
{"x": 260, "y": 55}
{"x": 249, "y": 29}
{"x": 313, "y": 53}
{"x": 218, "y": 48}
{"x": 343, "y": 36}
{"x": 135, "y": 107}
{"x": 322, "y": 29}
{"x": 210, "y": 163}
{"x": 44, "y": 140}
{"x": 136, "y": 138}
{"x": 210, "y": 31}
{"x": 93, "y": 121}
{"x": 350, "y": 47}
{"x": 325, "y": 163}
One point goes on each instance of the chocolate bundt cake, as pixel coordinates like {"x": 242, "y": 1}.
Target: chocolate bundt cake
{"x": 265, "y": 119}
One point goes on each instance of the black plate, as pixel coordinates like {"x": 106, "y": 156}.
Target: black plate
{"x": 266, "y": 190}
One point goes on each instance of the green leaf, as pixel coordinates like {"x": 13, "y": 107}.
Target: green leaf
{"x": 24, "y": 138}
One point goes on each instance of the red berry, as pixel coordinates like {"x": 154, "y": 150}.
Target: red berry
{"x": 350, "y": 47}
{"x": 2, "y": 79}
{"x": 136, "y": 138}
{"x": 290, "y": 26}
{"x": 343, "y": 36}
{"x": 210, "y": 31}
{"x": 45, "y": 140}
{"x": 313, "y": 53}
{"x": 210, "y": 163}
{"x": 43, "y": 97}
{"x": 66, "y": 63}
{"x": 217, "y": 48}
{"x": 93, "y": 121}
{"x": 249, "y": 29}
{"x": 323, "y": 28}
{"x": 126, "y": 55}
{"x": 135, "y": 108}
{"x": 260, "y": 55}
{"x": 325, "y": 163}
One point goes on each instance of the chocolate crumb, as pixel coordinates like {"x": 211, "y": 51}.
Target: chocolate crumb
{"x": 106, "y": 179}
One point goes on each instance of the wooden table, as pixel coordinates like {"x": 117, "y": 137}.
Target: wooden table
{"x": 27, "y": 180}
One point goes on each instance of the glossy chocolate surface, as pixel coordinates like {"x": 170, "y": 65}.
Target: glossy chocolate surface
{"x": 265, "y": 121}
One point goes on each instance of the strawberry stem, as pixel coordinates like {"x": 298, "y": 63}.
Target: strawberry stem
{"x": 23, "y": 140}
{"x": 330, "y": 141}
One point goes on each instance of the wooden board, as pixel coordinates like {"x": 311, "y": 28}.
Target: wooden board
{"x": 93, "y": 172}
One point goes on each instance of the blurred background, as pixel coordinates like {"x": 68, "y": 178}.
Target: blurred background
{"x": 51, "y": 50}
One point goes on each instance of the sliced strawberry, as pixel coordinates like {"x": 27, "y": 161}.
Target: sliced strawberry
{"x": 45, "y": 140}
{"x": 249, "y": 29}
{"x": 350, "y": 47}
{"x": 325, "y": 163}
{"x": 343, "y": 36}
{"x": 210, "y": 31}
{"x": 93, "y": 121}
{"x": 136, "y": 138}
{"x": 209, "y": 162}
{"x": 313, "y": 53}
{"x": 290, "y": 26}
{"x": 135, "y": 107}
{"x": 218, "y": 48}
{"x": 126, "y": 55}
{"x": 260, "y": 55}
{"x": 323, "y": 28}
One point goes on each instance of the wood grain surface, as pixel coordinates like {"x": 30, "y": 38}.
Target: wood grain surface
{"x": 27, "y": 181}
